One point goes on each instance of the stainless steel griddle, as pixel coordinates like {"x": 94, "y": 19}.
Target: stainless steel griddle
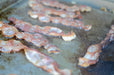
{"x": 16, "y": 63}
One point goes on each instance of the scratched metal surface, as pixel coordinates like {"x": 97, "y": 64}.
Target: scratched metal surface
{"x": 16, "y": 63}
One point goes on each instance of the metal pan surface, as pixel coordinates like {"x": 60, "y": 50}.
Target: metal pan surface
{"x": 16, "y": 63}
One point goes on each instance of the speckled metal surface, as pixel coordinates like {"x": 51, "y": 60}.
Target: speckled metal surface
{"x": 6, "y": 3}
{"x": 16, "y": 63}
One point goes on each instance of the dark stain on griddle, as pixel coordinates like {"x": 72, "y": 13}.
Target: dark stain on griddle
{"x": 2, "y": 67}
{"x": 4, "y": 15}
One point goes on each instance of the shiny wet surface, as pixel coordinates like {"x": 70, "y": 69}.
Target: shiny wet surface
{"x": 16, "y": 63}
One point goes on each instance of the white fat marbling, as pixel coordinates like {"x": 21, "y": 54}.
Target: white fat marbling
{"x": 56, "y": 30}
{"x": 95, "y": 56}
{"x": 9, "y": 32}
{"x": 44, "y": 19}
{"x": 92, "y": 48}
{"x": 19, "y": 35}
{"x": 56, "y": 21}
{"x": 87, "y": 56}
{"x": 63, "y": 15}
{"x": 1, "y": 25}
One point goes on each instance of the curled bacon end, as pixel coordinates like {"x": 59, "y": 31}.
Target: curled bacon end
{"x": 51, "y": 48}
{"x": 87, "y": 27}
{"x": 69, "y": 36}
{"x": 33, "y": 14}
{"x": 84, "y": 8}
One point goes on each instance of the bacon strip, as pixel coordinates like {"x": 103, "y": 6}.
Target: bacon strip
{"x": 47, "y": 30}
{"x": 45, "y": 62}
{"x": 65, "y": 21}
{"x": 91, "y": 57}
{"x": 34, "y": 56}
{"x": 57, "y": 4}
{"x": 109, "y": 37}
{"x": 51, "y": 11}
{"x": 93, "y": 52}
{"x": 36, "y": 39}
{"x": 65, "y": 17}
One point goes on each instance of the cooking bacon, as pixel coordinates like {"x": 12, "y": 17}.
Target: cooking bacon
{"x": 46, "y": 30}
{"x": 34, "y": 56}
{"x": 64, "y": 21}
{"x": 57, "y": 12}
{"x": 36, "y": 39}
{"x": 57, "y": 4}
{"x": 93, "y": 52}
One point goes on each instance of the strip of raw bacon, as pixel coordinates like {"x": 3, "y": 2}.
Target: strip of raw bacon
{"x": 36, "y": 39}
{"x": 57, "y": 4}
{"x": 93, "y": 52}
{"x": 34, "y": 56}
{"x": 47, "y": 30}
{"x": 49, "y": 11}
{"x": 65, "y": 21}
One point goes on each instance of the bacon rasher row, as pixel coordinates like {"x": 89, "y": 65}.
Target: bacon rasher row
{"x": 93, "y": 51}
{"x": 37, "y": 6}
{"x": 36, "y": 39}
{"x": 44, "y": 14}
{"x": 37, "y": 58}
{"x": 46, "y": 30}
{"x": 65, "y": 21}
{"x": 57, "y": 4}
